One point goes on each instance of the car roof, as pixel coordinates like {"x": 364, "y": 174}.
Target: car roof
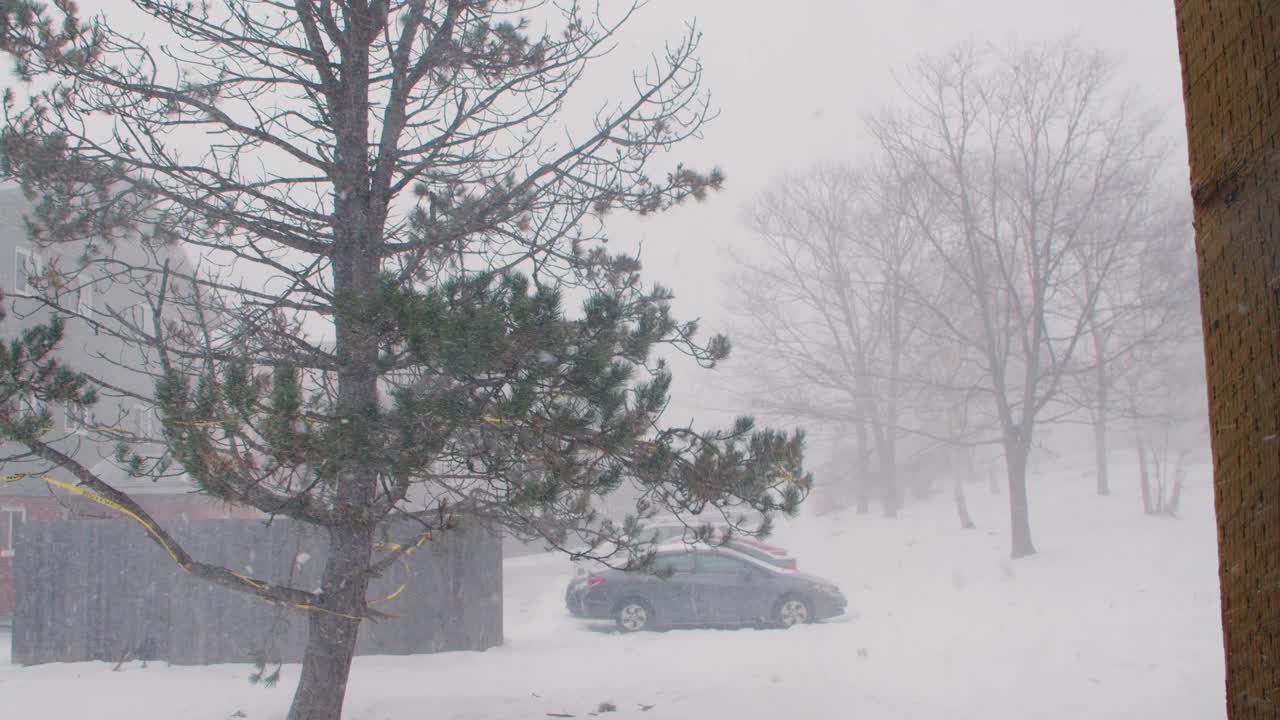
{"x": 673, "y": 548}
{"x": 742, "y": 538}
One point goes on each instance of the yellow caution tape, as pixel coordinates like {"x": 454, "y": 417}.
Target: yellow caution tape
{"x": 392, "y": 596}
{"x": 422, "y": 538}
{"x": 108, "y": 502}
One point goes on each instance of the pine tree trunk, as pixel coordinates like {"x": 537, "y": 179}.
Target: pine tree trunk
{"x": 1228, "y": 52}
{"x": 1019, "y": 514}
{"x": 355, "y": 265}
{"x": 331, "y": 637}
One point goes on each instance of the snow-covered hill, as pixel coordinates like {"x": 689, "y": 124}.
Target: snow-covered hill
{"x": 1116, "y": 617}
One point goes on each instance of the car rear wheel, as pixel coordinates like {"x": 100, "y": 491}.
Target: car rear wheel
{"x": 633, "y": 615}
{"x": 791, "y": 611}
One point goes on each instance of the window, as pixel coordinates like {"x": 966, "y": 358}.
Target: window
{"x": 719, "y": 565}
{"x": 30, "y": 406}
{"x": 74, "y": 415}
{"x": 144, "y": 420}
{"x": 673, "y": 563}
{"x": 10, "y": 520}
{"x": 144, "y": 316}
{"x": 26, "y": 268}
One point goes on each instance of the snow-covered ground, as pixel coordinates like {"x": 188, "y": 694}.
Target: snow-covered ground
{"x": 1117, "y": 617}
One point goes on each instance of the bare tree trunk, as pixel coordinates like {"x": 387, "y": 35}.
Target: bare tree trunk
{"x": 1159, "y": 473}
{"x": 962, "y": 506}
{"x": 1144, "y": 474}
{"x": 1175, "y": 495}
{"x": 1102, "y": 406}
{"x": 961, "y": 473}
{"x": 970, "y": 468}
{"x": 836, "y": 491}
{"x": 1016, "y": 454}
{"x": 890, "y": 493}
{"x": 1100, "y": 451}
{"x": 863, "y": 481}
{"x": 863, "y": 503}
{"x": 1232, "y": 125}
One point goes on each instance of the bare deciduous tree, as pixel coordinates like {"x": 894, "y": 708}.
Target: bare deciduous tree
{"x": 1015, "y": 154}
{"x": 826, "y": 316}
{"x": 1131, "y": 313}
{"x": 1157, "y": 369}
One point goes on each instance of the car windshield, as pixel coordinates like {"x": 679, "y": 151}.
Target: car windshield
{"x": 718, "y": 564}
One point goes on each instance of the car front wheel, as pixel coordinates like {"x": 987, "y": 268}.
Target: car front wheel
{"x": 634, "y": 615}
{"x": 792, "y": 611}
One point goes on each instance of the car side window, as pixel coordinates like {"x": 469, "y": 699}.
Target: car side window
{"x": 673, "y": 563}
{"x": 719, "y": 565}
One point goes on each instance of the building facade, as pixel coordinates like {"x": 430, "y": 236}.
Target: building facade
{"x": 92, "y": 295}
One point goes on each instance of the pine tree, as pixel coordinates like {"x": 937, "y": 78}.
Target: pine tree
{"x": 32, "y": 379}
{"x": 405, "y": 308}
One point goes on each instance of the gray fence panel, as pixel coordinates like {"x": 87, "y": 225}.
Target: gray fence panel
{"x": 102, "y": 590}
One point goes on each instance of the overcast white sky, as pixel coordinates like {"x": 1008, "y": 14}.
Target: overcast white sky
{"x": 792, "y": 80}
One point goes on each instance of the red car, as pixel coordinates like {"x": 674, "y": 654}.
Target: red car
{"x": 674, "y": 531}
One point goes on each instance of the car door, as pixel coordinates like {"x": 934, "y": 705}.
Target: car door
{"x": 723, "y": 589}
{"x": 670, "y": 588}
